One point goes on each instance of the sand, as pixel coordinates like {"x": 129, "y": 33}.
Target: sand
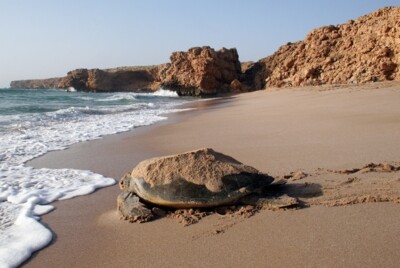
{"x": 319, "y": 139}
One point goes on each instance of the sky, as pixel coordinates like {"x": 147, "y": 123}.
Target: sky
{"x": 47, "y": 38}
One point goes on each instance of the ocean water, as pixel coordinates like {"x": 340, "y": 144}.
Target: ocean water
{"x": 33, "y": 122}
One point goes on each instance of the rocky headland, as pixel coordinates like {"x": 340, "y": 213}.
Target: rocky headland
{"x": 117, "y": 79}
{"x": 360, "y": 51}
{"x": 363, "y": 50}
{"x": 37, "y": 83}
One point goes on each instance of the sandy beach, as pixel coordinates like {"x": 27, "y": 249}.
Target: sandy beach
{"x": 329, "y": 133}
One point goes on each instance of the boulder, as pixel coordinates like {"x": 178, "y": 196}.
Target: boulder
{"x": 201, "y": 71}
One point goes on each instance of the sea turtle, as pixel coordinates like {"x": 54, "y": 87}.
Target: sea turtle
{"x": 197, "y": 179}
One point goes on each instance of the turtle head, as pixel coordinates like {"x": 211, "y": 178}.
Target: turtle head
{"x": 124, "y": 183}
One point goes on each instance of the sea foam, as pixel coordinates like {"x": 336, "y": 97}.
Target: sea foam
{"x": 26, "y": 192}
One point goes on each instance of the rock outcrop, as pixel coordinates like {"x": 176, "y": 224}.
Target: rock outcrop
{"x": 364, "y": 50}
{"x": 143, "y": 78}
{"x": 119, "y": 79}
{"x": 202, "y": 71}
{"x": 37, "y": 83}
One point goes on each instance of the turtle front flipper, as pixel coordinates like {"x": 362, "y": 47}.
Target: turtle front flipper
{"x": 130, "y": 208}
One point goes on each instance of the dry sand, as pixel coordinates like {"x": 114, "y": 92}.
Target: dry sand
{"x": 330, "y": 135}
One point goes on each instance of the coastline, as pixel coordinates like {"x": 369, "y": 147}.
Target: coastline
{"x": 276, "y": 132}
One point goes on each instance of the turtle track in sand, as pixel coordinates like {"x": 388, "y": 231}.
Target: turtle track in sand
{"x": 366, "y": 184}
{"x": 370, "y": 183}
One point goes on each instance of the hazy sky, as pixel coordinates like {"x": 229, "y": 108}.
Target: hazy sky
{"x": 47, "y": 38}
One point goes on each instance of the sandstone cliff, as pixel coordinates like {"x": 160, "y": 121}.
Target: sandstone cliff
{"x": 364, "y": 50}
{"x": 202, "y": 71}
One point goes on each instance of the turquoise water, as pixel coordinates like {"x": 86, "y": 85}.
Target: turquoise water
{"x": 25, "y": 101}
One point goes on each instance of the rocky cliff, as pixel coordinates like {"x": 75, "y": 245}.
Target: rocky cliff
{"x": 202, "y": 71}
{"x": 359, "y": 51}
{"x": 363, "y": 50}
{"x": 143, "y": 78}
{"x": 119, "y": 79}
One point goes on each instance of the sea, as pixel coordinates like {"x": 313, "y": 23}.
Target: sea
{"x": 34, "y": 122}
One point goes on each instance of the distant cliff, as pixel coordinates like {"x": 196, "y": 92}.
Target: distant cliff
{"x": 118, "y": 79}
{"x": 360, "y": 51}
{"x": 37, "y": 83}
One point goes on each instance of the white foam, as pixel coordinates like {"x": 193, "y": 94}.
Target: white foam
{"x": 28, "y": 190}
{"x": 120, "y": 96}
{"x": 23, "y": 237}
{"x": 165, "y": 93}
{"x": 25, "y": 192}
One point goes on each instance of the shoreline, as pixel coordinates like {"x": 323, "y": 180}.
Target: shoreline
{"x": 51, "y": 158}
{"x": 276, "y": 134}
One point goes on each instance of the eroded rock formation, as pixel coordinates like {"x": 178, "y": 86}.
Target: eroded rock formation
{"x": 119, "y": 79}
{"x": 202, "y": 71}
{"x": 143, "y": 78}
{"x": 363, "y": 50}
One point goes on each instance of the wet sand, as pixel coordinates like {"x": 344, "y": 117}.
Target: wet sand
{"x": 321, "y": 132}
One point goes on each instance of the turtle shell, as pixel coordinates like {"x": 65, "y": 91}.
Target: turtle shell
{"x": 201, "y": 178}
